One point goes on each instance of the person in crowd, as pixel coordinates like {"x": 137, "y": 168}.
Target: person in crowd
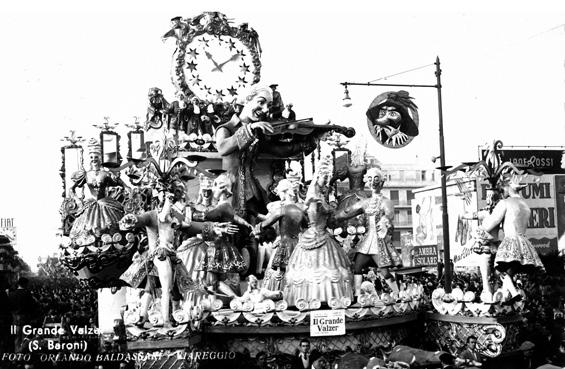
{"x": 470, "y": 354}
{"x": 303, "y": 358}
{"x": 24, "y": 308}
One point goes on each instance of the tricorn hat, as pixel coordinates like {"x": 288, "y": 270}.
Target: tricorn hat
{"x": 402, "y": 101}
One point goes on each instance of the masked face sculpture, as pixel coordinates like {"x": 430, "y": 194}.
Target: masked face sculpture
{"x": 393, "y": 119}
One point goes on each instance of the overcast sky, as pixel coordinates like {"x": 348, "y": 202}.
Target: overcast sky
{"x": 67, "y": 67}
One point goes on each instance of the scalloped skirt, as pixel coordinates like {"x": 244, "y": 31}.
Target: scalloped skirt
{"x": 141, "y": 268}
{"x": 318, "y": 273}
{"x": 224, "y": 257}
{"x": 98, "y": 217}
{"x": 193, "y": 255}
{"x": 517, "y": 250}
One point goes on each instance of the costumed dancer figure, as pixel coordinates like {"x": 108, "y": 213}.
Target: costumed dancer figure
{"x": 376, "y": 244}
{"x": 240, "y": 141}
{"x": 99, "y": 213}
{"x": 355, "y": 173}
{"x": 515, "y": 253}
{"x": 292, "y": 220}
{"x": 318, "y": 267}
{"x": 193, "y": 251}
{"x": 223, "y": 257}
{"x": 161, "y": 260}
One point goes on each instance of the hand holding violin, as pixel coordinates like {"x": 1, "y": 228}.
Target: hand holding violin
{"x": 265, "y": 127}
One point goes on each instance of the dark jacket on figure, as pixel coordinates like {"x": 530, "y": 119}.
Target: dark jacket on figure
{"x": 23, "y": 306}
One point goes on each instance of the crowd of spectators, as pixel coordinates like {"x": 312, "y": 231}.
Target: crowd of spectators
{"x": 67, "y": 302}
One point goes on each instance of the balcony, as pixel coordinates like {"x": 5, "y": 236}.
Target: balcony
{"x": 401, "y": 204}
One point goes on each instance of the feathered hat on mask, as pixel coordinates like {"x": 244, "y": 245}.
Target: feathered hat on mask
{"x": 403, "y": 103}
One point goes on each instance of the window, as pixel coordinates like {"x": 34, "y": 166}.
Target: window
{"x": 397, "y": 216}
{"x": 423, "y": 175}
{"x": 409, "y": 196}
{"x": 394, "y": 197}
{"x": 409, "y": 217}
{"x": 396, "y": 239}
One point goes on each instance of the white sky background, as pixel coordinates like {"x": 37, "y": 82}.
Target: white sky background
{"x": 65, "y": 66}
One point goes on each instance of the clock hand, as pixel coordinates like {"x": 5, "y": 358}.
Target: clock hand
{"x": 232, "y": 58}
{"x": 209, "y": 56}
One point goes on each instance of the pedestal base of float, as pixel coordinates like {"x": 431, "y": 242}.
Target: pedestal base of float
{"x": 165, "y": 353}
{"x": 495, "y": 335}
{"x": 371, "y": 333}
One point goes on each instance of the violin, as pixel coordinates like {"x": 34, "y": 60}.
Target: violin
{"x": 306, "y": 127}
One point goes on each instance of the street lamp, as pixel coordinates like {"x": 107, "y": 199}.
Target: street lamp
{"x": 443, "y": 167}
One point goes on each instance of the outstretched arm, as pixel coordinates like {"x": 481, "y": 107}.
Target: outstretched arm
{"x": 351, "y": 211}
{"x": 132, "y": 221}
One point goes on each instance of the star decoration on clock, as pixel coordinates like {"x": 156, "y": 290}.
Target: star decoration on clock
{"x": 208, "y": 90}
{"x": 196, "y": 80}
{"x": 231, "y": 44}
{"x": 241, "y": 81}
{"x": 192, "y": 52}
{"x": 219, "y": 94}
{"x": 191, "y": 65}
{"x": 241, "y": 53}
{"x": 205, "y": 41}
{"x": 232, "y": 91}
{"x": 244, "y": 68}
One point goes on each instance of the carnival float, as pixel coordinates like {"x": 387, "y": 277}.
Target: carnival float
{"x": 224, "y": 225}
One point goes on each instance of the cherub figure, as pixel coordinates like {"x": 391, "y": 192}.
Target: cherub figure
{"x": 260, "y": 298}
{"x": 157, "y": 110}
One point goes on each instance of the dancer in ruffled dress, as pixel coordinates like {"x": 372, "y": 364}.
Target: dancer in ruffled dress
{"x": 291, "y": 218}
{"x": 223, "y": 257}
{"x": 318, "y": 268}
{"x": 99, "y": 213}
{"x": 515, "y": 254}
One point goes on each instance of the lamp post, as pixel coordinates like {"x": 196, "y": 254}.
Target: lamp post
{"x": 445, "y": 217}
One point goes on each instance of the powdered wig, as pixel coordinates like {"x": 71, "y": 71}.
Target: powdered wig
{"x": 255, "y": 90}
{"x": 94, "y": 147}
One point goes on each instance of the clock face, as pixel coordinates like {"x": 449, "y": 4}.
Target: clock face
{"x": 218, "y": 67}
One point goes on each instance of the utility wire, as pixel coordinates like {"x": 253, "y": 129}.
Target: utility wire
{"x": 399, "y": 73}
{"x": 560, "y": 26}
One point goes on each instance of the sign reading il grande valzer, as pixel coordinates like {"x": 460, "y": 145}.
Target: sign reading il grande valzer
{"x": 544, "y": 161}
{"x": 327, "y": 323}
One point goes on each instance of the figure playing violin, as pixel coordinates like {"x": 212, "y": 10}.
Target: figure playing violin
{"x": 240, "y": 141}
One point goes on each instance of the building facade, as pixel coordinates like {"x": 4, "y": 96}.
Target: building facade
{"x": 401, "y": 181}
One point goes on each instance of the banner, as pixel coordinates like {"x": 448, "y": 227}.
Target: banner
{"x": 544, "y": 161}
{"x": 540, "y": 195}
